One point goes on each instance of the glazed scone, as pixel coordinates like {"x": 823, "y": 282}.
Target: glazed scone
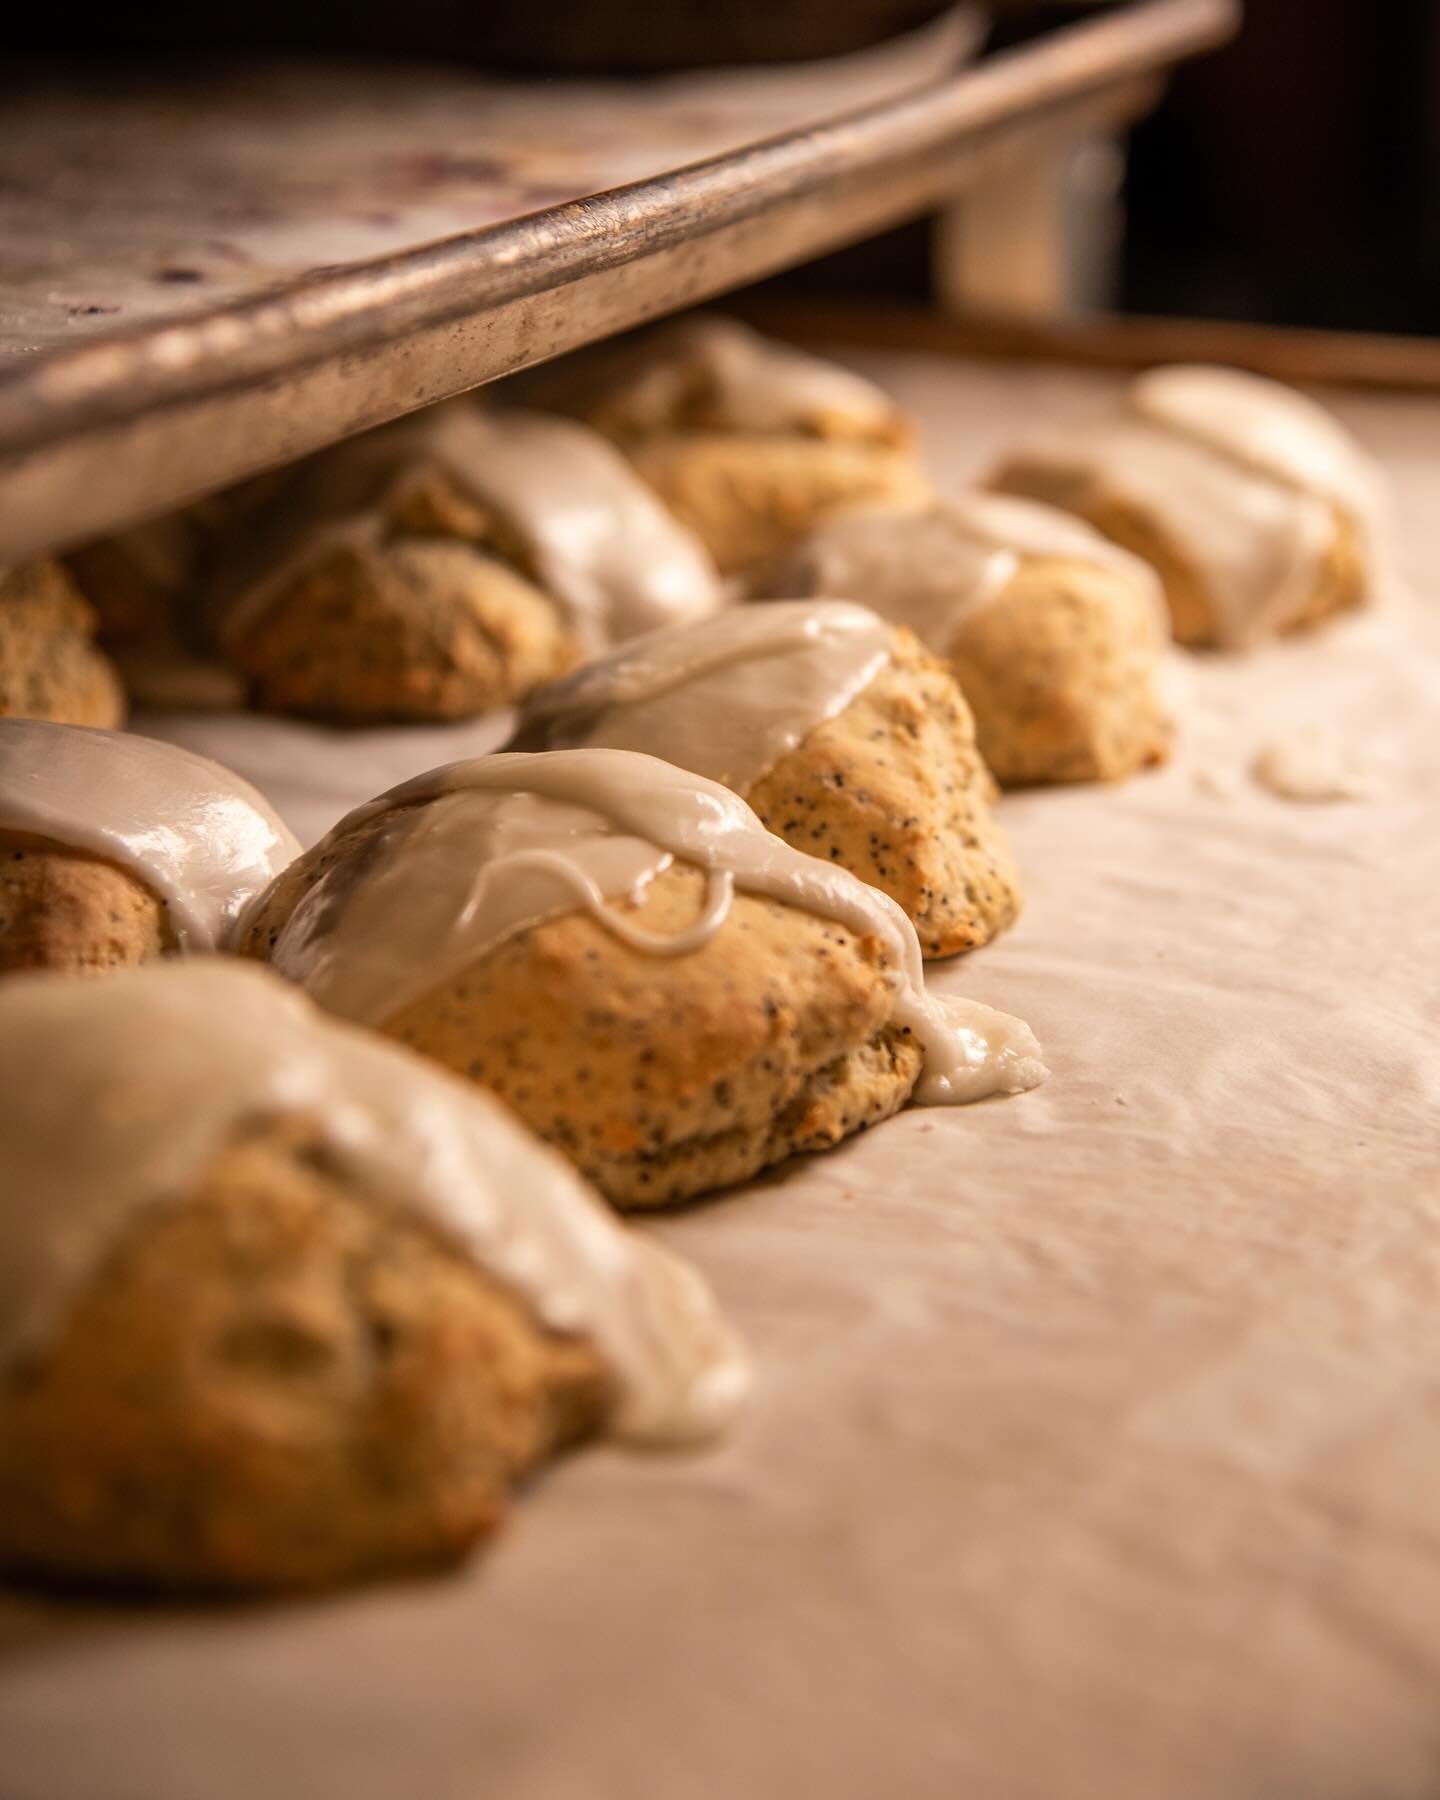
{"x": 115, "y": 849}
{"x": 845, "y": 737}
{"x": 1055, "y": 635}
{"x": 657, "y": 985}
{"x": 296, "y": 1307}
{"x": 749, "y": 442}
{"x": 50, "y": 666}
{"x": 1259, "y": 512}
{"x": 448, "y": 564}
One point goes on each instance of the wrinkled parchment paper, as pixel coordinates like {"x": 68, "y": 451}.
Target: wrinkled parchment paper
{"x": 1095, "y": 1447}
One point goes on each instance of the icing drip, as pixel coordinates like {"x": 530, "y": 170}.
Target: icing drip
{"x": 598, "y": 540}
{"x": 728, "y": 697}
{"x": 1312, "y": 765}
{"x": 164, "y": 1064}
{"x": 451, "y": 873}
{"x": 929, "y": 570}
{"x": 199, "y": 837}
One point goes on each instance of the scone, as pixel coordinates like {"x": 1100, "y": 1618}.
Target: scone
{"x": 1055, "y": 634}
{"x": 448, "y": 564}
{"x": 1259, "y": 512}
{"x": 115, "y": 849}
{"x": 294, "y": 1307}
{"x": 145, "y": 584}
{"x": 50, "y": 666}
{"x": 749, "y": 442}
{"x": 135, "y": 578}
{"x": 660, "y": 987}
{"x": 845, "y": 737}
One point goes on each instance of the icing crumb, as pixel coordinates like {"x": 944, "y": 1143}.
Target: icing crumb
{"x": 1218, "y": 783}
{"x": 1311, "y": 766}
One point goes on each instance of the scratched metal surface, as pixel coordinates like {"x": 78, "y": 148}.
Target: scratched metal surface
{"x": 292, "y": 257}
{"x": 125, "y": 200}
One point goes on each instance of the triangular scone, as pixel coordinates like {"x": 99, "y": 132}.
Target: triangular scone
{"x": 116, "y": 849}
{"x": 847, "y": 738}
{"x": 1055, "y": 635}
{"x": 296, "y": 1307}
{"x": 446, "y": 565}
{"x": 50, "y": 666}
{"x": 1256, "y": 508}
{"x": 749, "y": 442}
{"x": 660, "y": 987}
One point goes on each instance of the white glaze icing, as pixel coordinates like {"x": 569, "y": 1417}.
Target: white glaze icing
{"x": 728, "y": 697}
{"x": 453, "y": 871}
{"x": 163, "y": 1064}
{"x": 1257, "y": 543}
{"x": 1242, "y": 474}
{"x": 930, "y": 570}
{"x": 1266, "y": 425}
{"x": 193, "y": 833}
{"x": 599, "y": 541}
{"x": 745, "y": 382}
{"x": 1312, "y": 766}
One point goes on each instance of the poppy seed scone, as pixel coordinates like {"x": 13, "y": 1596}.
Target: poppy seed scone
{"x": 749, "y": 442}
{"x": 657, "y": 985}
{"x": 1055, "y": 635}
{"x": 299, "y": 1308}
{"x": 50, "y": 665}
{"x": 847, "y": 739}
{"x": 447, "y": 564}
{"x": 1259, "y": 512}
{"x": 115, "y": 849}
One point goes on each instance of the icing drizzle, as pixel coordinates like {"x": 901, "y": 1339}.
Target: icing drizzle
{"x": 598, "y": 540}
{"x": 450, "y": 872}
{"x": 929, "y": 570}
{"x": 728, "y": 697}
{"x": 165, "y": 1063}
{"x": 1243, "y": 474}
{"x": 193, "y": 833}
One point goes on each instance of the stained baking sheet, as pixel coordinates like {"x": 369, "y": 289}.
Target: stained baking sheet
{"x": 1096, "y": 1435}
{"x": 203, "y": 277}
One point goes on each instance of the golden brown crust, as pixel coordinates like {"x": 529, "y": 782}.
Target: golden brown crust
{"x": 65, "y": 910}
{"x": 417, "y": 628}
{"x": 50, "y": 667}
{"x": 1061, "y": 671}
{"x": 894, "y": 789}
{"x": 278, "y": 1383}
{"x": 658, "y": 1077}
{"x": 749, "y": 495}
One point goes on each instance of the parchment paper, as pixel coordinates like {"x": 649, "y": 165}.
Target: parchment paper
{"x": 1095, "y": 1447}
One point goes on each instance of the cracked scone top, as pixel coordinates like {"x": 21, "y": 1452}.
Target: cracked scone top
{"x": 166, "y": 1063}
{"x": 727, "y": 698}
{"x": 930, "y": 570}
{"x": 1249, "y": 484}
{"x": 595, "y": 537}
{"x": 190, "y": 831}
{"x": 473, "y": 853}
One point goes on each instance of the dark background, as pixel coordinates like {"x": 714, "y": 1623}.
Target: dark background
{"x": 1292, "y": 178}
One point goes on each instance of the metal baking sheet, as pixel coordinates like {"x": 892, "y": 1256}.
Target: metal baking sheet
{"x": 201, "y": 279}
